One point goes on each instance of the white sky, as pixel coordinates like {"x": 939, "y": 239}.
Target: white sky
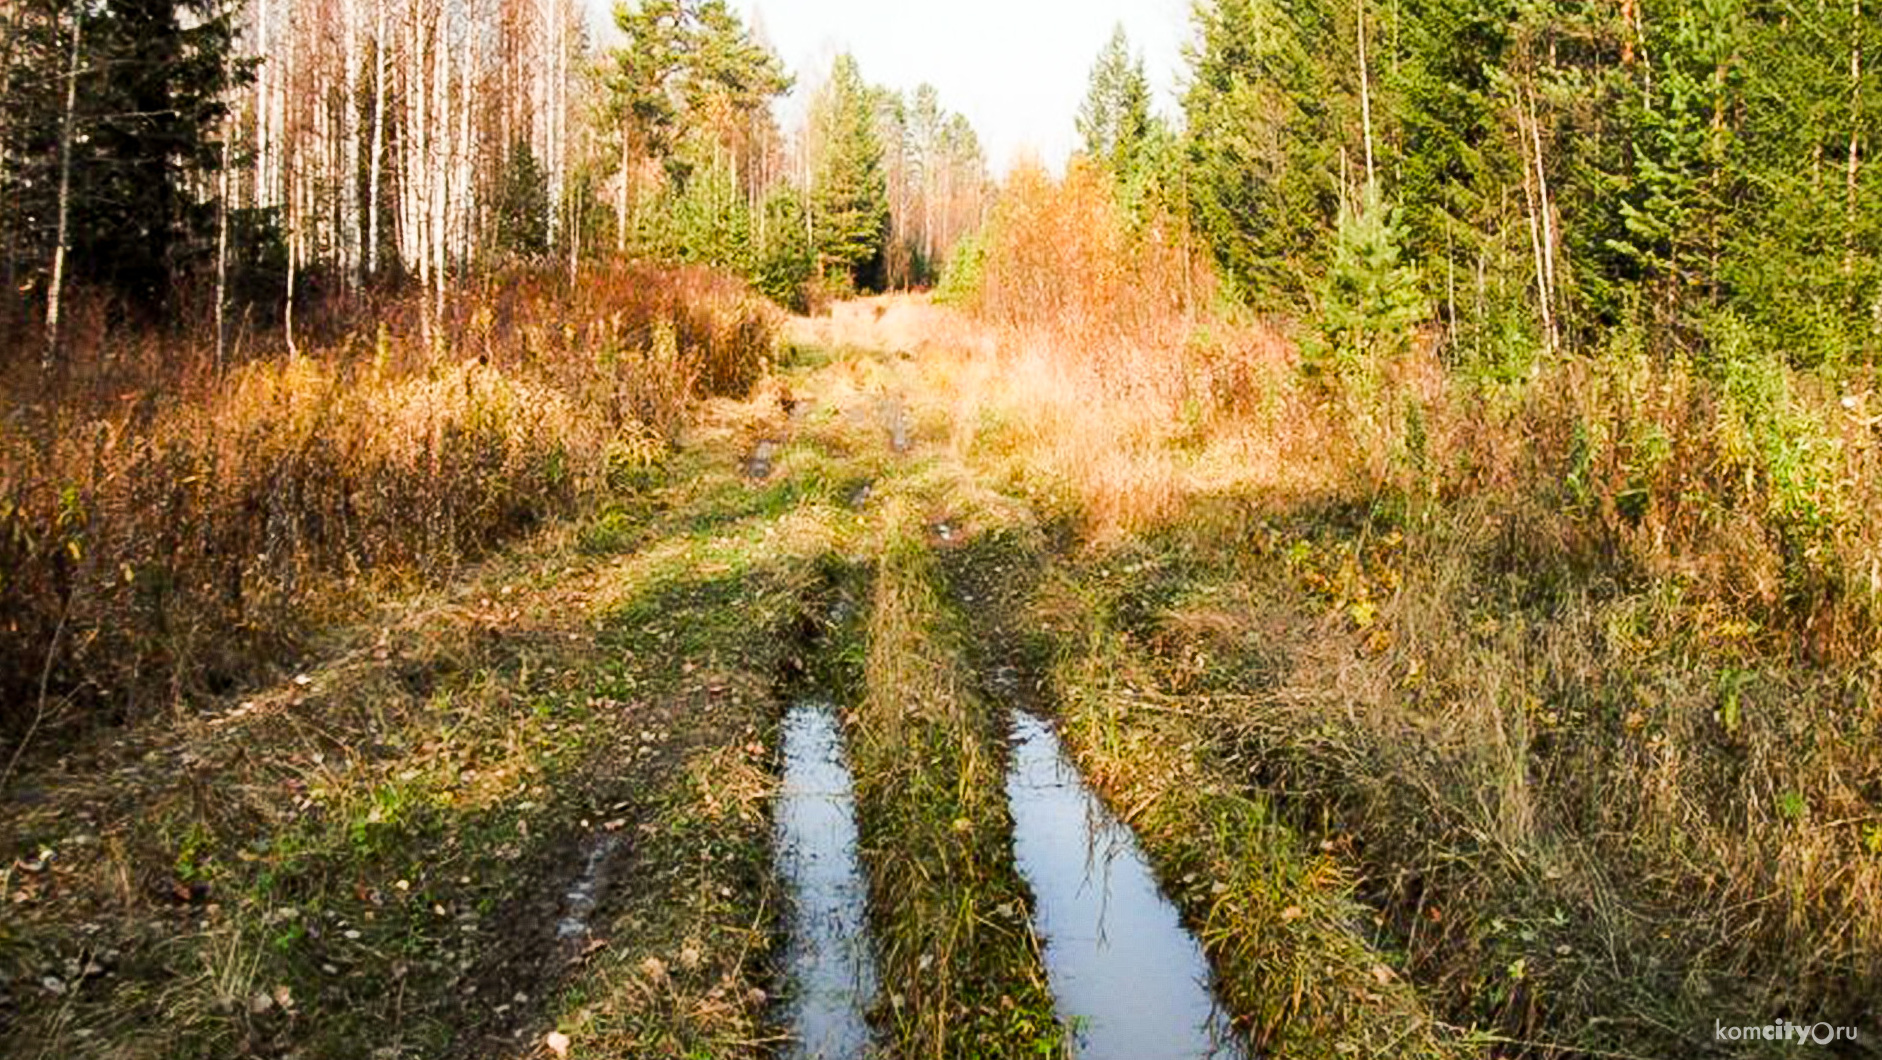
{"x": 1016, "y": 68}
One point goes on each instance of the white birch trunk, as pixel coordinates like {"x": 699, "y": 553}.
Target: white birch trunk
{"x": 57, "y": 289}
{"x": 377, "y": 154}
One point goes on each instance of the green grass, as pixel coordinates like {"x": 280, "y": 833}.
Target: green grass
{"x": 962, "y": 970}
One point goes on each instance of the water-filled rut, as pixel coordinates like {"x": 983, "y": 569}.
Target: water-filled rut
{"x": 828, "y": 964}
{"x": 1128, "y": 980}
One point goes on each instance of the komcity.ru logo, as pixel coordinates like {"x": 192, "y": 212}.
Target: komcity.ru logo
{"x": 1784, "y": 1031}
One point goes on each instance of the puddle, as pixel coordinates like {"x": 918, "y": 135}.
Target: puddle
{"x": 827, "y": 960}
{"x": 579, "y": 901}
{"x": 1127, "y": 978}
{"x": 763, "y": 455}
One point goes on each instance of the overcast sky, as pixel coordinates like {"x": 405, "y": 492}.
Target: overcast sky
{"x": 1016, "y": 68}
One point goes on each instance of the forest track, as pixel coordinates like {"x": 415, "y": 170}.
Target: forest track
{"x": 537, "y": 808}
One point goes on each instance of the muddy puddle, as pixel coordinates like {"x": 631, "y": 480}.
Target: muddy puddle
{"x": 830, "y": 975}
{"x": 584, "y": 893}
{"x": 1128, "y": 979}
{"x": 763, "y": 456}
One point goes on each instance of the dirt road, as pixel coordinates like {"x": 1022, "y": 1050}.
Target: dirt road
{"x": 541, "y": 811}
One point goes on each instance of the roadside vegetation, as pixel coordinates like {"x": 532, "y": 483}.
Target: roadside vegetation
{"x": 530, "y": 802}
{"x": 167, "y": 528}
{"x": 1560, "y": 647}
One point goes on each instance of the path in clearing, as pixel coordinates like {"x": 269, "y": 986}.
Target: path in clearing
{"x": 558, "y": 806}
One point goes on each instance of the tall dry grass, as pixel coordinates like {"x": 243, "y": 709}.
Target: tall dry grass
{"x": 1580, "y": 664}
{"x": 1109, "y": 336}
{"x": 166, "y": 527}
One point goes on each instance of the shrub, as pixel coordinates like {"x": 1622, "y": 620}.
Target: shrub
{"x": 164, "y": 530}
{"x": 1369, "y": 301}
{"x": 960, "y": 279}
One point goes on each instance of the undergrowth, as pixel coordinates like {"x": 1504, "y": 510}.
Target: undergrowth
{"x": 1570, "y": 665}
{"x": 168, "y": 527}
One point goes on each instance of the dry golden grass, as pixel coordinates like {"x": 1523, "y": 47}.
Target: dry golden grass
{"x": 1581, "y": 664}
{"x": 165, "y": 527}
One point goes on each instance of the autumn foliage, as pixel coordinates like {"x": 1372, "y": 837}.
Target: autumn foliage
{"x": 164, "y": 527}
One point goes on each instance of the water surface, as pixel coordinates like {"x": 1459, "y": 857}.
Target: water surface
{"x": 827, "y": 957}
{"x": 1128, "y": 979}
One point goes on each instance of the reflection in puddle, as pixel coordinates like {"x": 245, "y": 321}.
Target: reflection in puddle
{"x": 1128, "y": 979}
{"x": 827, "y": 959}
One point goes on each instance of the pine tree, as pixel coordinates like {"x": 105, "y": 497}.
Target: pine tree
{"x": 1369, "y": 301}
{"x": 691, "y": 91}
{"x": 726, "y": 71}
{"x": 849, "y": 193}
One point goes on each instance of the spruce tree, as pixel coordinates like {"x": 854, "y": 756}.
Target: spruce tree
{"x": 1271, "y": 107}
{"x": 522, "y": 205}
{"x": 150, "y": 94}
{"x": 1369, "y": 301}
{"x": 849, "y": 193}
{"x": 1114, "y": 121}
